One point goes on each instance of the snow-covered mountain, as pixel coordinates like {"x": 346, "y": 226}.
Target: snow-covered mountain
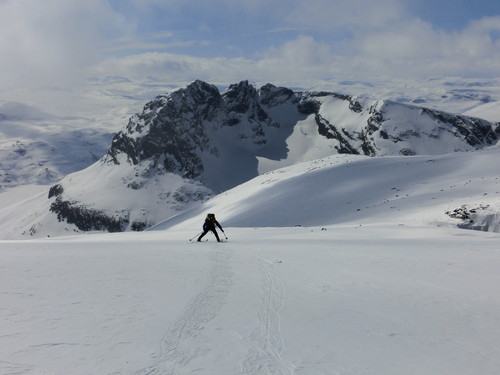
{"x": 38, "y": 147}
{"x": 41, "y": 148}
{"x": 245, "y": 131}
{"x": 186, "y": 146}
{"x": 458, "y": 189}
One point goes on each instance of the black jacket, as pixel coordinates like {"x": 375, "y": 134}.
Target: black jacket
{"x": 210, "y": 224}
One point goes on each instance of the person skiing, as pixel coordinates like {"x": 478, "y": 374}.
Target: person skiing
{"x": 209, "y": 225}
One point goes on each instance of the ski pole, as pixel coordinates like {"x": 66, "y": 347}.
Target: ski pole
{"x": 192, "y": 238}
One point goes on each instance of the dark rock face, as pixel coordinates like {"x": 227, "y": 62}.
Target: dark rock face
{"x": 170, "y": 130}
{"x": 173, "y": 128}
{"x": 476, "y": 132}
{"x": 56, "y": 191}
{"x": 331, "y": 132}
{"x": 87, "y": 219}
{"x": 195, "y": 132}
{"x": 273, "y": 96}
{"x": 241, "y": 106}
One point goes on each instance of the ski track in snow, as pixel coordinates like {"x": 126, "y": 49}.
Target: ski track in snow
{"x": 185, "y": 339}
{"x": 264, "y": 357}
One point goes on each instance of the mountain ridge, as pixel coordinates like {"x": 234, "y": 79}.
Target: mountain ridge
{"x": 186, "y": 146}
{"x": 177, "y": 126}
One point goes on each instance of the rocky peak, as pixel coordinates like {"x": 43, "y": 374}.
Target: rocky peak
{"x": 170, "y": 130}
{"x": 242, "y": 107}
{"x": 273, "y": 96}
{"x": 199, "y": 100}
{"x": 200, "y": 97}
{"x": 240, "y": 97}
{"x": 213, "y": 141}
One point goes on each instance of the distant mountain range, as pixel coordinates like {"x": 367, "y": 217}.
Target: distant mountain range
{"x": 195, "y": 142}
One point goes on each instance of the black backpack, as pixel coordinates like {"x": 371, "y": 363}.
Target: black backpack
{"x": 209, "y": 222}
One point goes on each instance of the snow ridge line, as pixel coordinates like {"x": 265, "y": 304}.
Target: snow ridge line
{"x": 265, "y": 356}
{"x": 185, "y": 339}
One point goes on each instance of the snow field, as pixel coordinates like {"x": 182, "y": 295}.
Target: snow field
{"x": 346, "y": 299}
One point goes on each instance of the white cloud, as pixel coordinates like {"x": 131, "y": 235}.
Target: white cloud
{"x": 60, "y": 42}
{"x": 57, "y": 40}
{"x": 174, "y": 68}
{"x": 52, "y": 40}
{"x": 302, "y": 59}
{"x": 416, "y": 49}
{"x": 485, "y": 25}
{"x": 301, "y": 52}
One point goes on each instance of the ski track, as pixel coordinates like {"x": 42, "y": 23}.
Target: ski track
{"x": 185, "y": 339}
{"x": 264, "y": 357}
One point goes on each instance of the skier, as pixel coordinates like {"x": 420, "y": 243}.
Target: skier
{"x": 209, "y": 224}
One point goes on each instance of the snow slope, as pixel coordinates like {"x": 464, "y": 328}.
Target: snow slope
{"x": 376, "y": 280}
{"x": 344, "y": 189}
{"x": 159, "y": 197}
{"x": 488, "y": 111}
{"x": 343, "y": 299}
{"x": 339, "y": 189}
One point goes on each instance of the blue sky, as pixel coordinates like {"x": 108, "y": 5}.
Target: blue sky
{"x": 247, "y": 29}
{"x": 62, "y": 42}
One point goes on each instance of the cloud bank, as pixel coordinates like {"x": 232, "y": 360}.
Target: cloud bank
{"x": 61, "y": 43}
